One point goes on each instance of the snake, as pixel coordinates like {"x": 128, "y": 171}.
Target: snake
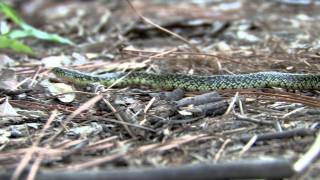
{"x": 294, "y": 81}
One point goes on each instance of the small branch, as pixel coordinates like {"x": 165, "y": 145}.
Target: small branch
{"x": 200, "y": 99}
{"x": 253, "y": 120}
{"x": 123, "y": 123}
{"x": 118, "y": 116}
{"x": 14, "y": 92}
{"x": 309, "y": 157}
{"x": 280, "y": 135}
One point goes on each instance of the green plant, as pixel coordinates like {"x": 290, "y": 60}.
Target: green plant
{"x": 9, "y": 38}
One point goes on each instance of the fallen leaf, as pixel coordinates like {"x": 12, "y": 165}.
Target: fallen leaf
{"x": 243, "y": 35}
{"x": 8, "y": 79}
{"x": 86, "y": 131}
{"x": 6, "y": 61}
{"x": 56, "y": 61}
{"x": 185, "y": 113}
{"x": 7, "y": 110}
{"x": 61, "y": 88}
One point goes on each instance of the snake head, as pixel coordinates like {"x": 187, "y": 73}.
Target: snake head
{"x": 63, "y": 73}
{"x": 73, "y": 76}
{"x": 58, "y": 71}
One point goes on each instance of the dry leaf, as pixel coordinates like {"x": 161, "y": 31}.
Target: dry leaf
{"x": 61, "y": 88}
{"x": 5, "y": 61}
{"x": 56, "y": 61}
{"x": 7, "y": 110}
{"x": 8, "y": 79}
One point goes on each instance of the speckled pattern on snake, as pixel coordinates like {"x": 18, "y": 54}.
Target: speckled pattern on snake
{"x": 193, "y": 82}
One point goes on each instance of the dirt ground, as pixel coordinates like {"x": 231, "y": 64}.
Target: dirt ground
{"x": 140, "y": 132}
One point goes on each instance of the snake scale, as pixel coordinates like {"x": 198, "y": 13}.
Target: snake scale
{"x": 193, "y": 82}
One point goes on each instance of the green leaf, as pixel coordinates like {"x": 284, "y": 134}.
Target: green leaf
{"x": 11, "y": 13}
{"x": 29, "y": 31}
{"x": 16, "y": 34}
{"x": 6, "y": 42}
{"x": 44, "y": 35}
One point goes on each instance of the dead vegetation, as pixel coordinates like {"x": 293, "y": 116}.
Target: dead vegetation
{"x": 57, "y": 131}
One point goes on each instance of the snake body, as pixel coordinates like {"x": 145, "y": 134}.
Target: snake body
{"x": 193, "y": 82}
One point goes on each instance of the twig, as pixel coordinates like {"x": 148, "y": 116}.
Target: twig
{"x": 117, "y": 115}
{"x": 280, "y": 135}
{"x": 34, "y": 168}
{"x": 289, "y": 97}
{"x": 253, "y": 120}
{"x": 82, "y": 108}
{"x": 27, "y": 157}
{"x": 181, "y": 121}
{"x": 200, "y": 99}
{"x": 232, "y": 103}
{"x": 125, "y": 123}
{"x": 219, "y": 153}
{"x": 212, "y": 109}
{"x": 33, "y": 81}
{"x": 309, "y": 157}
{"x": 175, "y": 95}
{"x": 97, "y": 161}
{"x": 14, "y": 92}
{"x": 248, "y": 145}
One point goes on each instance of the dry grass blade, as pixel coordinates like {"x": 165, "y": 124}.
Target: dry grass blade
{"x": 83, "y": 107}
{"x": 179, "y": 141}
{"x": 97, "y": 161}
{"x": 27, "y": 157}
{"x": 34, "y": 168}
{"x": 127, "y": 128}
{"x": 280, "y": 96}
{"x": 290, "y": 97}
{"x": 118, "y": 116}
